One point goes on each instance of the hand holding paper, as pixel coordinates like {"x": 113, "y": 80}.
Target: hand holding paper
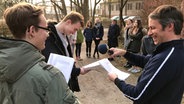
{"x": 105, "y": 63}
{"x": 94, "y": 64}
{"x": 111, "y": 69}
{"x": 84, "y": 70}
{"x": 112, "y": 76}
{"x": 63, "y": 63}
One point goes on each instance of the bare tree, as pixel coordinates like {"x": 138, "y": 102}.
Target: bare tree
{"x": 71, "y": 6}
{"x": 150, "y": 5}
{"x": 94, "y": 9}
{"x": 122, "y": 5}
{"x": 82, "y": 6}
{"x": 91, "y": 8}
{"x": 60, "y": 6}
{"x": 109, "y": 8}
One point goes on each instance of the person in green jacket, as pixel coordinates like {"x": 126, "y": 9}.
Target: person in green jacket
{"x": 25, "y": 78}
{"x": 79, "y": 41}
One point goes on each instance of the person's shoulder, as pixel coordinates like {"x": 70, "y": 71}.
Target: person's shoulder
{"x": 144, "y": 31}
{"x": 51, "y": 25}
{"x": 45, "y": 73}
{"x": 43, "y": 68}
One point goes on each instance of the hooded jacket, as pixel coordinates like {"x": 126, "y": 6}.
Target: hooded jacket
{"x": 26, "y": 79}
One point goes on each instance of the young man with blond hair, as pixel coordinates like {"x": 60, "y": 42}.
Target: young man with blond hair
{"x": 58, "y": 43}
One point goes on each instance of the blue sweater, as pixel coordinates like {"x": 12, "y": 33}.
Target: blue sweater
{"x": 162, "y": 79}
{"x": 88, "y": 34}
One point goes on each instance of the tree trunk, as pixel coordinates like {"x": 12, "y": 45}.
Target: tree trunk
{"x": 94, "y": 9}
{"x": 109, "y": 8}
{"x": 85, "y": 10}
{"x": 64, "y": 12}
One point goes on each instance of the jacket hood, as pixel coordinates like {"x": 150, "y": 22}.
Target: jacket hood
{"x": 16, "y": 58}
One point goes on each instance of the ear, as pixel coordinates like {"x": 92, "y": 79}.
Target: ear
{"x": 170, "y": 27}
{"x": 30, "y": 32}
{"x": 68, "y": 21}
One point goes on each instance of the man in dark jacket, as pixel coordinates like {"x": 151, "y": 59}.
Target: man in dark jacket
{"x": 161, "y": 81}
{"x": 113, "y": 33}
{"x": 58, "y": 43}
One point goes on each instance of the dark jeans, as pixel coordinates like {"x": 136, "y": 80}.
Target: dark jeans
{"x": 78, "y": 49}
{"x": 88, "y": 47}
{"x": 97, "y": 42}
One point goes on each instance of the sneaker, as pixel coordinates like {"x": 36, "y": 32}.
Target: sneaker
{"x": 135, "y": 70}
{"x": 94, "y": 56}
{"x": 80, "y": 59}
{"x": 132, "y": 68}
{"x": 110, "y": 59}
{"x": 127, "y": 66}
{"x": 87, "y": 55}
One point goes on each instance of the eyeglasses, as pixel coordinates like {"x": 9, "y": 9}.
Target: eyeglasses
{"x": 44, "y": 28}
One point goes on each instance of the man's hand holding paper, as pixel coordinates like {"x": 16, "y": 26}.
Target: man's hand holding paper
{"x": 111, "y": 69}
{"x": 105, "y": 63}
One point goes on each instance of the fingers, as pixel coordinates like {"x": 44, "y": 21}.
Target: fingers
{"x": 112, "y": 76}
{"x": 117, "y": 52}
{"x": 84, "y": 70}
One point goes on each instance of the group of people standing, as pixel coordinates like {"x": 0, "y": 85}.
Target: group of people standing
{"x": 90, "y": 33}
{"x": 133, "y": 40}
{"x": 95, "y": 33}
{"x": 137, "y": 41}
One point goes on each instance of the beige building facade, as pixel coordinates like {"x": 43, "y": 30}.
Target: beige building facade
{"x": 132, "y": 8}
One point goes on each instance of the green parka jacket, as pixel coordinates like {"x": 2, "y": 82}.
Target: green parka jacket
{"x": 26, "y": 79}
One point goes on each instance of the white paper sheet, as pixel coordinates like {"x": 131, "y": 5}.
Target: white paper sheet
{"x": 94, "y": 64}
{"x": 63, "y": 63}
{"x": 110, "y": 68}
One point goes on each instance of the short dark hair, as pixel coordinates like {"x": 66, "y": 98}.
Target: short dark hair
{"x": 20, "y": 17}
{"x": 167, "y": 14}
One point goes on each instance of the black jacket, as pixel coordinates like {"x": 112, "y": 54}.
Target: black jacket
{"x": 113, "y": 33}
{"x": 55, "y": 45}
{"x": 98, "y": 30}
{"x": 135, "y": 42}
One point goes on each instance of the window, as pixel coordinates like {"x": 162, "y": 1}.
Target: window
{"x": 117, "y": 7}
{"x": 138, "y": 6}
{"x": 129, "y": 6}
{"x": 112, "y": 7}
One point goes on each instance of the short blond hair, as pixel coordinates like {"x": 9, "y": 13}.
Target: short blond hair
{"x": 75, "y": 17}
